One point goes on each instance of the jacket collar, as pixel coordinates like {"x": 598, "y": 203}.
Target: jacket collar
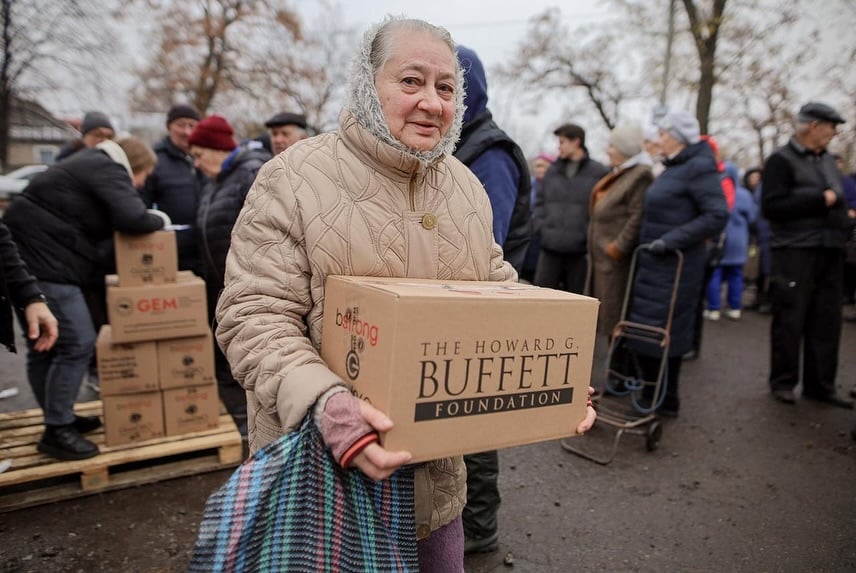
{"x": 379, "y": 155}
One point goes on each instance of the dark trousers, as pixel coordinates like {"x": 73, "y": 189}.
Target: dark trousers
{"x": 480, "y": 513}
{"x": 561, "y": 270}
{"x": 805, "y": 290}
{"x": 233, "y": 396}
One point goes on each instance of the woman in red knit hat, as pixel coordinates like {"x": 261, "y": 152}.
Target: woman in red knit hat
{"x": 231, "y": 169}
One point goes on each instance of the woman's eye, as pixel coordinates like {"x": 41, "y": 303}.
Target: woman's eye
{"x": 410, "y": 81}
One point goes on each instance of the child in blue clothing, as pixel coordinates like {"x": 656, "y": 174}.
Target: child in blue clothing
{"x": 734, "y": 254}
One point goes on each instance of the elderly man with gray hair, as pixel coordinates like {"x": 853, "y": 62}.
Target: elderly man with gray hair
{"x": 803, "y": 200}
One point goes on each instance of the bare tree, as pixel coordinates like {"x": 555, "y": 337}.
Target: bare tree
{"x": 42, "y": 41}
{"x": 209, "y": 49}
{"x": 556, "y": 60}
{"x": 310, "y": 74}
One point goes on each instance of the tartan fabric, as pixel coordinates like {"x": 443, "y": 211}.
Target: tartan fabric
{"x": 292, "y": 508}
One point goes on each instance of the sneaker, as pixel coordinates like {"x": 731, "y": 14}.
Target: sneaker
{"x": 711, "y": 314}
{"x": 66, "y": 443}
{"x": 733, "y": 314}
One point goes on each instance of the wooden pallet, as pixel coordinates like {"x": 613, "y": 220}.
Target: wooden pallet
{"x": 34, "y": 478}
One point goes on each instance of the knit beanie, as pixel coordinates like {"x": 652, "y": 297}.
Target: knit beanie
{"x": 682, "y": 126}
{"x": 140, "y": 155}
{"x": 181, "y": 110}
{"x": 651, "y": 133}
{"x": 94, "y": 120}
{"x": 627, "y": 139}
{"x": 213, "y": 132}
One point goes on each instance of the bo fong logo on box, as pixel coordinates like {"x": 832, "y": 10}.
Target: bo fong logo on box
{"x": 127, "y": 306}
{"x": 362, "y": 333}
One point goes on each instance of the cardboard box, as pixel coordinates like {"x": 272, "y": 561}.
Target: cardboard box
{"x": 125, "y": 368}
{"x": 132, "y": 418}
{"x": 155, "y": 312}
{"x": 462, "y": 367}
{"x": 186, "y": 361}
{"x": 192, "y": 409}
{"x": 146, "y": 259}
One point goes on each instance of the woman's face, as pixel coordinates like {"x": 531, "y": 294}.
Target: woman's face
{"x": 616, "y": 158}
{"x": 540, "y": 168}
{"x": 208, "y": 161}
{"x": 669, "y": 144}
{"x": 416, "y": 87}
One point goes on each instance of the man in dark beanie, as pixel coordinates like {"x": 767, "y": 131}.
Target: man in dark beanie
{"x": 95, "y": 128}
{"x": 562, "y": 212}
{"x": 176, "y": 185}
{"x": 285, "y": 130}
{"x": 231, "y": 170}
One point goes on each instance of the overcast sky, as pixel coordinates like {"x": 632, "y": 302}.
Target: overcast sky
{"x": 492, "y": 29}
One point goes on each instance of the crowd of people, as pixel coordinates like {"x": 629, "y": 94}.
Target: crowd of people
{"x": 265, "y": 220}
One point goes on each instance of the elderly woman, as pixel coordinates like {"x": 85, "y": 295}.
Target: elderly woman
{"x": 615, "y": 212}
{"x": 231, "y": 170}
{"x": 616, "y": 215}
{"x": 381, "y": 196}
{"x": 684, "y": 206}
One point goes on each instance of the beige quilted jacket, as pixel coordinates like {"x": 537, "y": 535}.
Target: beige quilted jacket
{"x": 343, "y": 203}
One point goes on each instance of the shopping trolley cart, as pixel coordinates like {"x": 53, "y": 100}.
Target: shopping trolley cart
{"x": 629, "y": 401}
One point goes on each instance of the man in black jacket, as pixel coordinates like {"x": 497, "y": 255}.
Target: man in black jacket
{"x": 562, "y": 212}
{"x": 57, "y": 224}
{"x": 803, "y": 200}
{"x": 175, "y": 186}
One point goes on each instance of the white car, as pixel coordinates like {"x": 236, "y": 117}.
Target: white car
{"x": 15, "y": 181}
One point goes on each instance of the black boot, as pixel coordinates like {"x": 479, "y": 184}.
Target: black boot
{"x": 66, "y": 443}
{"x": 481, "y": 533}
{"x": 86, "y": 424}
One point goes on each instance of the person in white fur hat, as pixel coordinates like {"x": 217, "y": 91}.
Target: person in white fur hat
{"x": 380, "y": 196}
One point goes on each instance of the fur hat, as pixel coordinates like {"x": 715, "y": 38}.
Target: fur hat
{"x": 682, "y": 126}
{"x": 213, "y": 132}
{"x": 94, "y": 120}
{"x": 181, "y": 110}
{"x": 627, "y": 139}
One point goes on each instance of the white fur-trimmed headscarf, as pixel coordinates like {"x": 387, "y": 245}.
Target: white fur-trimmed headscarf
{"x": 364, "y": 103}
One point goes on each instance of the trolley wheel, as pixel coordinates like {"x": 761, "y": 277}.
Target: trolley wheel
{"x": 655, "y": 432}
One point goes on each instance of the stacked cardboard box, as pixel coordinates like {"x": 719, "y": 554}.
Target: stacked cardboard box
{"x": 156, "y": 357}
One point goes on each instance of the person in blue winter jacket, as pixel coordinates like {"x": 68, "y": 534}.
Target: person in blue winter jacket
{"x": 734, "y": 253}
{"x": 497, "y": 161}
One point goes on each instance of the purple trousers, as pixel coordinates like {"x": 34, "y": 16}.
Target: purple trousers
{"x": 443, "y": 550}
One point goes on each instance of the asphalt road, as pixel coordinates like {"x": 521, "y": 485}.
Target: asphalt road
{"x": 739, "y": 483}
